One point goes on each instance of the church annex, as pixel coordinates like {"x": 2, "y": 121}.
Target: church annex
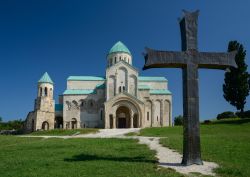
{"x": 120, "y": 99}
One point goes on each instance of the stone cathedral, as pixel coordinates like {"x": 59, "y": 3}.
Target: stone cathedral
{"x": 120, "y": 99}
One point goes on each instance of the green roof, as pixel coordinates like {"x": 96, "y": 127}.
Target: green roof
{"x": 156, "y": 79}
{"x": 100, "y": 86}
{"x": 119, "y": 47}
{"x": 160, "y": 92}
{"x": 45, "y": 79}
{"x": 85, "y": 78}
{"x": 79, "y": 92}
{"x": 58, "y": 107}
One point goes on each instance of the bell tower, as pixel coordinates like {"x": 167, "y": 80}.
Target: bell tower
{"x": 44, "y": 100}
{"x": 44, "y": 104}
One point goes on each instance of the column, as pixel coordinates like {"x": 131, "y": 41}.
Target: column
{"x": 115, "y": 84}
{"x": 131, "y": 120}
{"x": 161, "y": 113}
{"x": 114, "y": 121}
{"x": 152, "y": 113}
{"x": 106, "y": 121}
{"x": 70, "y": 126}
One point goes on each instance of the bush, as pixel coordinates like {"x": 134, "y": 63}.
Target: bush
{"x": 207, "y": 121}
{"x": 245, "y": 114}
{"x": 178, "y": 120}
{"x": 226, "y": 115}
{"x": 10, "y": 125}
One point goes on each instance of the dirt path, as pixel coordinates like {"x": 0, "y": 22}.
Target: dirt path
{"x": 167, "y": 158}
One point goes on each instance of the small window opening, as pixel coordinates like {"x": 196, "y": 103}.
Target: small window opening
{"x": 46, "y": 91}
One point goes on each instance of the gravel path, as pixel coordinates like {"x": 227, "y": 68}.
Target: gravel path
{"x": 167, "y": 158}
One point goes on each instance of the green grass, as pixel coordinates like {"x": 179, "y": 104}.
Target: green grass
{"x": 62, "y": 132}
{"x": 34, "y": 157}
{"x": 226, "y": 142}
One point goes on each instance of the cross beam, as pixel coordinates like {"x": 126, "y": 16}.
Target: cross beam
{"x": 189, "y": 60}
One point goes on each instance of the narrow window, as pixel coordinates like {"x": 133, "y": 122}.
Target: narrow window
{"x": 101, "y": 115}
{"x": 157, "y": 118}
{"x": 115, "y": 59}
{"x": 124, "y": 88}
{"x": 46, "y": 91}
{"x": 120, "y": 89}
{"x": 148, "y": 116}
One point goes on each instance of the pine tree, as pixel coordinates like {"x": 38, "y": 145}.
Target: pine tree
{"x": 236, "y": 86}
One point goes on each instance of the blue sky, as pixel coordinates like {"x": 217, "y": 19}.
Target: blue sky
{"x": 73, "y": 37}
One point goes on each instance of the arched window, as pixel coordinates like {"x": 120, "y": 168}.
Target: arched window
{"x": 46, "y": 91}
{"x": 148, "y": 116}
{"x": 124, "y": 88}
{"x": 120, "y": 89}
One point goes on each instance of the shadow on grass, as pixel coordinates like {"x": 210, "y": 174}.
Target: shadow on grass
{"x": 234, "y": 122}
{"x": 86, "y": 157}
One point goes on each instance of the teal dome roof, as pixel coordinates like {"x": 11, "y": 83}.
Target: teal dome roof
{"x": 119, "y": 47}
{"x": 45, "y": 79}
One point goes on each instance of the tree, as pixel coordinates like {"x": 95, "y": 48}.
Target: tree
{"x": 178, "y": 120}
{"x": 1, "y": 119}
{"x": 236, "y": 86}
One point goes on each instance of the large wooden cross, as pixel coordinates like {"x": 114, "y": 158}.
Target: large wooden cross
{"x": 190, "y": 60}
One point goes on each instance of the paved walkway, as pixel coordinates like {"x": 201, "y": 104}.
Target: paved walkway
{"x": 167, "y": 158}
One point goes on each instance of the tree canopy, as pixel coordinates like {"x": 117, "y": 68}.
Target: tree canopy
{"x": 236, "y": 86}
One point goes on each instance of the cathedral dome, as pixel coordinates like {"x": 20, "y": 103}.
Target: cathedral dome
{"x": 119, "y": 47}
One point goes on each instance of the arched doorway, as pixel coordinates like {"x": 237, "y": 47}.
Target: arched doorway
{"x": 45, "y": 125}
{"x": 58, "y": 122}
{"x": 123, "y": 117}
{"x": 73, "y": 123}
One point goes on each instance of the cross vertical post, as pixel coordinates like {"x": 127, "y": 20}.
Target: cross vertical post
{"x": 189, "y": 60}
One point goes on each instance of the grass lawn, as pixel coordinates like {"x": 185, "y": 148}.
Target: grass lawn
{"x": 33, "y": 157}
{"x": 224, "y": 142}
{"x": 62, "y": 132}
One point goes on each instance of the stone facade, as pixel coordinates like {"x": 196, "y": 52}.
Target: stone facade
{"x": 120, "y": 99}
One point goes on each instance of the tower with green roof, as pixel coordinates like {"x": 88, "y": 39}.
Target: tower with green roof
{"x": 119, "y": 52}
{"x": 44, "y": 104}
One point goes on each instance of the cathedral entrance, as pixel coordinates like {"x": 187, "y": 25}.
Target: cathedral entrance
{"x": 45, "y": 125}
{"x": 123, "y": 117}
{"x": 74, "y": 123}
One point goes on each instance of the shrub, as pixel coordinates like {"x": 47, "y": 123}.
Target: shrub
{"x": 178, "y": 120}
{"x": 226, "y": 115}
{"x": 207, "y": 121}
{"x": 245, "y": 114}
